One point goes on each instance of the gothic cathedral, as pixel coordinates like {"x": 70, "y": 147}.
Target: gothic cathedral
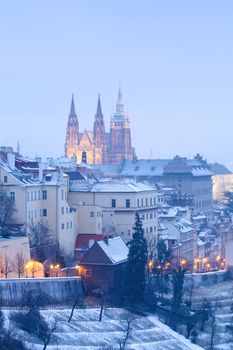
{"x": 98, "y": 146}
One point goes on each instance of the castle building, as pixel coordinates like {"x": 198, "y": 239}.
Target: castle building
{"x": 99, "y": 146}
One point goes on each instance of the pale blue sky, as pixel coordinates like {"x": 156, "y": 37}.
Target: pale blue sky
{"x": 174, "y": 60}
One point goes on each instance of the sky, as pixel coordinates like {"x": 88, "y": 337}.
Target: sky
{"x": 172, "y": 58}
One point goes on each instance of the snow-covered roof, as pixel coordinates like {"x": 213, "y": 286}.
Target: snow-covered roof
{"x": 115, "y": 249}
{"x": 168, "y": 213}
{"x": 199, "y": 217}
{"x": 113, "y": 186}
{"x": 155, "y": 167}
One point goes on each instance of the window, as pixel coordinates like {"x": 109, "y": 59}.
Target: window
{"x": 88, "y": 273}
{"x": 71, "y": 224}
{"x": 113, "y": 203}
{"x": 67, "y": 226}
{"x": 146, "y": 202}
{"x": 31, "y": 195}
{"x": 67, "y": 210}
{"x": 151, "y": 229}
{"x": 38, "y": 195}
{"x": 143, "y": 216}
{"x": 128, "y": 232}
{"x": 150, "y": 201}
{"x": 142, "y": 202}
{"x": 62, "y": 226}
{"x": 62, "y": 210}
{"x": 44, "y": 194}
{"x": 44, "y": 212}
{"x": 151, "y": 215}
{"x": 12, "y": 196}
{"x": 92, "y": 214}
{"x": 154, "y": 228}
{"x": 138, "y": 203}
{"x": 5, "y": 179}
{"x": 127, "y": 203}
{"x": 28, "y": 198}
{"x": 154, "y": 201}
{"x": 62, "y": 195}
{"x": 99, "y": 226}
{"x": 35, "y": 195}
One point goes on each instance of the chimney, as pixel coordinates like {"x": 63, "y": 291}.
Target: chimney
{"x": 41, "y": 168}
{"x": 11, "y": 160}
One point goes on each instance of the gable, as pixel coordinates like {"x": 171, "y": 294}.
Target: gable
{"x": 95, "y": 255}
{"x": 85, "y": 140}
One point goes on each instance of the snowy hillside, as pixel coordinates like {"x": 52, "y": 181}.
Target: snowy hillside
{"x": 85, "y": 332}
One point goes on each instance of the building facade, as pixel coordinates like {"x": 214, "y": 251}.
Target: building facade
{"x": 98, "y": 146}
{"x": 119, "y": 202}
{"x": 191, "y": 179}
{"x": 43, "y": 200}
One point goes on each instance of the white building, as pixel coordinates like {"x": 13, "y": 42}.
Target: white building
{"x": 119, "y": 201}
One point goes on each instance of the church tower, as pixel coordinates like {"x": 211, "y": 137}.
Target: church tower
{"x": 72, "y": 132}
{"x": 99, "y": 136}
{"x": 120, "y": 134}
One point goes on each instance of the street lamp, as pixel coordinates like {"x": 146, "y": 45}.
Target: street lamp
{"x": 183, "y": 262}
{"x": 56, "y": 267}
{"x": 77, "y": 269}
{"x": 51, "y": 270}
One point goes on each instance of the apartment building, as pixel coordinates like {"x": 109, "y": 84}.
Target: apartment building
{"x": 43, "y": 199}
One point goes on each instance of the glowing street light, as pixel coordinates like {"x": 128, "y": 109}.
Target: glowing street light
{"x": 150, "y": 264}
{"x": 77, "y": 267}
{"x": 183, "y": 262}
{"x": 51, "y": 270}
{"x": 56, "y": 267}
{"x": 204, "y": 260}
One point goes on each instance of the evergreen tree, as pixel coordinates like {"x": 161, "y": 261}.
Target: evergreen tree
{"x": 178, "y": 282}
{"x": 137, "y": 261}
{"x": 163, "y": 253}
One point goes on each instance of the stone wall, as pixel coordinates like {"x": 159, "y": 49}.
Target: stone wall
{"x": 43, "y": 291}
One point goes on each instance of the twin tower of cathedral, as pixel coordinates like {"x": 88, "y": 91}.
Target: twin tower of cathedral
{"x": 98, "y": 146}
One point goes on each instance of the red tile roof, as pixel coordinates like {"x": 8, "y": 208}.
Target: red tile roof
{"x": 82, "y": 240}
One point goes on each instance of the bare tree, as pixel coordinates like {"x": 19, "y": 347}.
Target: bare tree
{"x": 19, "y": 263}
{"x": 45, "y": 333}
{"x": 123, "y": 342}
{"x": 212, "y": 332}
{"x": 39, "y": 234}
{"x": 102, "y": 300}
{"x": 77, "y": 302}
{"x": 7, "y": 211}
{"x": 6, "y": 265}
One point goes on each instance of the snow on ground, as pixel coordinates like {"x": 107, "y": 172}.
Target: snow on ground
{"x": 85, "y": 332}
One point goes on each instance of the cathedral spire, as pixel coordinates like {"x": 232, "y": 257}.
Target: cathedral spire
{"x": 120, "y": 105}
{"x": 99, "y": 110}
{"x": 72, "y": 106}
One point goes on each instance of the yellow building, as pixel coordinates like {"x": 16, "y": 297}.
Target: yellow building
{"x": 42, "y": 200}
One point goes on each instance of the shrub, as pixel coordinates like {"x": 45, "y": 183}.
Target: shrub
{"x": 31, "y": 321}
